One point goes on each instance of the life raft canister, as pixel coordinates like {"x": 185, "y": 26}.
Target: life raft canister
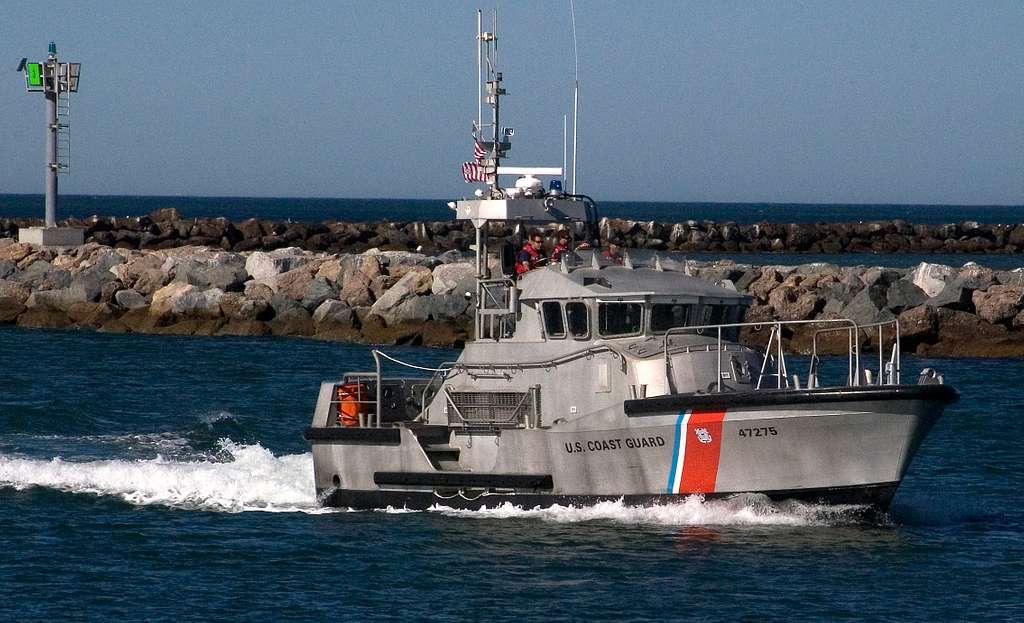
{"x": 352, "y": 402}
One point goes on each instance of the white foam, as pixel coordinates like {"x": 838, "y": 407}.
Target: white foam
{"x": 745, "y": 510}
{"x": 253, "y": 479}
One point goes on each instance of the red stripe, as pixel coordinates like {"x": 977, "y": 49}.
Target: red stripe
{"x": 700, "y": 463}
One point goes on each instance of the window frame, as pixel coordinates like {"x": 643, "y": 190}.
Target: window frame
{"x": 544, "y": 320}
{"x": 689, "y": 315}
{"x": 638, "y": 332}
{"x": 568, "y": 328}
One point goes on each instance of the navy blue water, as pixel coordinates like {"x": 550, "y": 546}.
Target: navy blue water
{"x": 165, "y": 478}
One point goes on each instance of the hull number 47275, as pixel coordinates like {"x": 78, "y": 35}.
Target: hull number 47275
{"x": 763, "y": 431}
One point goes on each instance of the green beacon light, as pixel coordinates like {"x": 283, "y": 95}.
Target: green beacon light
{"x": 34, "y": 76}
{"x": 53, "y": 48}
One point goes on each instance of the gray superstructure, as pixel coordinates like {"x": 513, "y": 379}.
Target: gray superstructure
{"x": 591, "y": 378}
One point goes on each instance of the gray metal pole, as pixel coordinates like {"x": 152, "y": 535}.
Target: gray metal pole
{"x": 51, "y": 156}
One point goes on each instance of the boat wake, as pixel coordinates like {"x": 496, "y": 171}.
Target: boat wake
{"x": 237, "y": 478}
{"x": 742, "y": 510}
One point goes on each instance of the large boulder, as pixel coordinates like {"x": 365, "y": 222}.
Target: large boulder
{"x": 976, "y": 277}
{"x": 7, "y": 268}
{"x": 399, "y": 303}
{"x": 130, "y": 299}
{"x": 999, "y": 303}
{"x": 791, "y": 304}
{"x": 225, "y": 271}
{"x": 55, "y": 300}
{"x": 34, "y": 274}
{"x": 10, "y": 309}
{"x": 135, "y": 265}
{"x": 88, "y": 285}
{"x": 903, "y": 294}
{"x": 238, "y": 306}
{"x": 16, "y": 252}
{"x": 292, "y": 283}
{"x": 332, "y": 313}
{"x": 290, "y": 318}
{"x": 184, "y": 299}
{"x": 150, "y": 281}
{"x": 918, "y": 323}
{"x": 769, "y": 279}
{"x": 14, "y": 290}
{"x": 868, "y": 306}
{"x": 317, "y": 291}
{"x": 954, "y": 296}
{"x": 448, "y": 306}
{"x": 932, "y": 278}
{"x": 332, "y": 270}
{"x": 264, "y": 266}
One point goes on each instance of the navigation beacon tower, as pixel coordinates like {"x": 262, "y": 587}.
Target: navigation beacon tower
{"x": 56, "y": 81}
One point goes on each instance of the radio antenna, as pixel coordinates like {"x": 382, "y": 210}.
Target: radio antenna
{"x": 575, "y": 92}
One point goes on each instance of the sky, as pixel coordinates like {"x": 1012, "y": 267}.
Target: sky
{"x": 787, "y": 102}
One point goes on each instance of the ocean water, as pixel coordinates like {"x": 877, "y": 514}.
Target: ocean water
{"x": 165, "y": 478}
{"x": 307, "y": 209}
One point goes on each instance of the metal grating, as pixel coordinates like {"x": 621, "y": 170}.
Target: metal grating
{"x": 491, "y": 410}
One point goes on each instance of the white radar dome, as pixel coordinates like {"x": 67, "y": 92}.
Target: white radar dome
{"x": 530, "y": 186}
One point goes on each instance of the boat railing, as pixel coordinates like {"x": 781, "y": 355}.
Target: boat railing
{"x": 475, "y": 371}
{"x": 495, "y": 313}
{"x": 774, "y": 352}
{"x": 368, "y": 403}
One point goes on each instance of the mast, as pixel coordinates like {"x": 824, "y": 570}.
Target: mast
{"x": 488, "y": 51}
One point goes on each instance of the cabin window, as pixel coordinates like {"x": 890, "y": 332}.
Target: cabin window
{"x": 714, "y": 314}
{"x": 620, "y": 319}
{"x": 665, "y": 316}
{"x": 578, "y": 319}
{"x": 554, "y": 326}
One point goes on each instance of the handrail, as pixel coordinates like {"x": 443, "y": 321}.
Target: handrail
{"x": 887, "y": 372}
{"x": 895, "y": 361}
{"x": 547, "y": 363}
{"x": 406, "y": 363}
{"x": 776, "y": 326}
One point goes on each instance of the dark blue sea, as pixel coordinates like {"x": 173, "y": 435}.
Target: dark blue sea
{"x": 156, "y": 478}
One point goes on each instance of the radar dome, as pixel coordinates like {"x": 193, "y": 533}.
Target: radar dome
{"x": 529, "y": 186}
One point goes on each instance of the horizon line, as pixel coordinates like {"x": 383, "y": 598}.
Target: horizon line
{"x": 445, "y": 200}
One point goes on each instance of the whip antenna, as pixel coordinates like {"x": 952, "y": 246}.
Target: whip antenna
{"x": 575, "y": 92}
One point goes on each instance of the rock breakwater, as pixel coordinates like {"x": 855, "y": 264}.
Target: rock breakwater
{"x": 400, "y": 297}
{"x": 166, "y": 229}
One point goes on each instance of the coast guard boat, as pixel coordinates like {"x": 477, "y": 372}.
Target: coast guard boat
{"x": 590, "y": 380}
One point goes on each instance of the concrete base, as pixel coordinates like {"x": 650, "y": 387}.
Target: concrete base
{"x": 52, "y": 236}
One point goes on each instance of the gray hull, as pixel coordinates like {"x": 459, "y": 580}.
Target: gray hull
{"x": 837, "y": 445}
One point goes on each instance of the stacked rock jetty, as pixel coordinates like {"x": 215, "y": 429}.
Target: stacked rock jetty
{"x": 401, "y": 297}
{"x": 166, "y": 229}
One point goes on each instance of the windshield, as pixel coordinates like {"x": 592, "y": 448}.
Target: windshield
{"x": 620, "y": 319}
{"x": 665, "y": 316}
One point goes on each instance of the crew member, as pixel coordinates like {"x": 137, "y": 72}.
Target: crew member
{"x": 530, "y": 255}
{"x": 561, "y": 247}
{"x": 613, "y": 253}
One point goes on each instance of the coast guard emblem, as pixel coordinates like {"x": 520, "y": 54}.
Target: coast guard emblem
{"x": 703, "y": 435}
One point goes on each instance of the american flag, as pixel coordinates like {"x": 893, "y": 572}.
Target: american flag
{"x": 478, "y": 151}
{"x": 474, "y": 172}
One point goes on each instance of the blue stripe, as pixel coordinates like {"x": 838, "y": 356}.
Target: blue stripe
{"x": 675, "y": 452}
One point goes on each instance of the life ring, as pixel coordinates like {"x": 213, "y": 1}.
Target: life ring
{"x": 352, "y": 402}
